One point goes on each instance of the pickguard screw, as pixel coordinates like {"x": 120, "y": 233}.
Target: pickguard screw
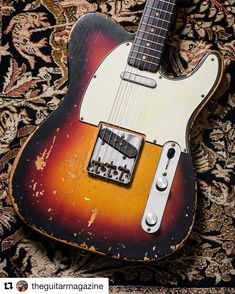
{"x": 164, "y": 174}
{"x": 127, "y": 44}
{"x": 82, "y": 118}
{"x": 160, "y": 77}
{"x": 202, "y": 95}
{"x": 94, "y": 76}
{"x": 148, "y": 229}
{"x": 212, "y": 59}
{"x": 154, "y": 141}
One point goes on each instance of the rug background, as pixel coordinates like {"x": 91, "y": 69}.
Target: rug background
{"x": 33, "y": 80}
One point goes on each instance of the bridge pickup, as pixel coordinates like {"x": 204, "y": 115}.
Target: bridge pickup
{"x": 117, "y": 142}
{"x": 115, "y": 154}
{"x": 137, "y": 79}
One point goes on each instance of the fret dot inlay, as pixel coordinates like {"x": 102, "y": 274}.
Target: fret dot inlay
{"x": 150, "y": 38}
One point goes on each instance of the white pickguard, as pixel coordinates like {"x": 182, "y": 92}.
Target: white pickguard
{"x": 160, "y": 113}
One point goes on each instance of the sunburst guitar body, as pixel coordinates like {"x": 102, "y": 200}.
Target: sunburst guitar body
{"x": 110, "y": 170}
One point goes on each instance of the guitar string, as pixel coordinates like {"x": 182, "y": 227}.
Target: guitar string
{"x": 130, "y": 90}
{"x": 165, "y": 10}
{"x": 155, "y": 22}
{"x": 136, "y": 93}
{"x": 131, "y": 69}
{"x": 156, "y": 25}
{"x": 165, "y": 17}
{"x": 128, "y": 100}
{"x": 124, "y": 118}
{"x": 141, "y": 90}
{"x": 121, "y": 88}
{"x": 152, "y": 21}
{"x": 158, "y": 20}
{"x": 115, "y": 117}
{"x": 109, "y": 121}
{"x": 117, "y": 120}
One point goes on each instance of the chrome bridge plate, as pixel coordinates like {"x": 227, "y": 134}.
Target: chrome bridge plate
{"x": 115, "y": 154}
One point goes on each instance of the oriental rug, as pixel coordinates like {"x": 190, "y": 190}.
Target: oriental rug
{"x": 33, "y": 81}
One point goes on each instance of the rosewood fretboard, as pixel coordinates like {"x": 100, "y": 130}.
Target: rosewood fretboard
{"x": 149, "y": 41}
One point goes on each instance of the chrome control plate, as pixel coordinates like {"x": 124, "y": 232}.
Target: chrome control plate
{"x": 115, "y": 154}
{"x": 161, "y": 187}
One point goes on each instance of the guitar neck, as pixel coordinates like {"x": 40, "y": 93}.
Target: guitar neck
{"x": 149, "y": 41}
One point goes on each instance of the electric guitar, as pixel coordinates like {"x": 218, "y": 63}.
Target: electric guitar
{"x": 110, "y": 170}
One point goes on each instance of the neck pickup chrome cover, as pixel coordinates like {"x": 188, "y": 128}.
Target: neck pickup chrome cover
{"x": 161, "y": 187}
{"x": 137, "y": 79}
{"x": 115, "y": 154}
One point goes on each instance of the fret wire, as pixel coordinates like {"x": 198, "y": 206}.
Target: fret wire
{"x": 157, "y": 24}
{"x": 157, "y": 35}
{"x": 143, "y": 53}
{"x": 144, "y": 60}
{"x": 150, "y": 20}
{"x": 165, "y": 11}
{"x": 154, "y": 17}
{"x": 162, "y": 1}
{"x": 167, "y": 2}
{"x": 148, "y": 24}
{"x": 150, "y": 40}
{"x": 160, "y": 9}
{"x": 148, "y": 48}
{"x": 162, "y": 24}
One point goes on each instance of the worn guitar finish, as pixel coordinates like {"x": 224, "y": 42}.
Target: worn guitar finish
{"x": 50, "y": 186}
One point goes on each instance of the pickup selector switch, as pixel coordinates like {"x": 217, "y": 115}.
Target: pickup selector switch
{"x": 170, "y": 153}
{"x": 161, "y": 183}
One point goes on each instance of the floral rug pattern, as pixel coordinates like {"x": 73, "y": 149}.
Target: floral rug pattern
{"x": 33, "y": 80}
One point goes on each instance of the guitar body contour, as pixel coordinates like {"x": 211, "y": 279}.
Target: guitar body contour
{"x": 50, "y": 187}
